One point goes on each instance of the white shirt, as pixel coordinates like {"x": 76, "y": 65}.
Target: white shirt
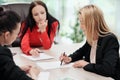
{"x": 93, "y": 52}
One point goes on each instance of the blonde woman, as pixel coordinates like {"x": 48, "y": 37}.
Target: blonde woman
{"x": 100, "y": 53}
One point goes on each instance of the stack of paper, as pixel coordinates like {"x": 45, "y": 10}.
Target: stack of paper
{"x": 53, "y": 65}
{"x": 43, "y": 76}
{"x": 67, "y": 78}
{"x": 41, "y": 57}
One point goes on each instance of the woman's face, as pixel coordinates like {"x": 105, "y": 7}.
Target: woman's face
{"x": 39, "y": 14}
{"x": 11, "y": 37}
{"x": 82, "y": 24}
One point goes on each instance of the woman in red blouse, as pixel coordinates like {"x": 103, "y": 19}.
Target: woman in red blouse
{"x": 38, "y": 30}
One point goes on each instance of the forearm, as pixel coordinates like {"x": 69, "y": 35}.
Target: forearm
{"x": 45, "y": 40}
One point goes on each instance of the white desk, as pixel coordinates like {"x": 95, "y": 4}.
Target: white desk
{"x": 56, "y": 74}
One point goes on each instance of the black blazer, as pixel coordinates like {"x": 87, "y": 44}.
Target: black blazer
{"x": 107, "y": 57}
{"x": 8, "y": 69}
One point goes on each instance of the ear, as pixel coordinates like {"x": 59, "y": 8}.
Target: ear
{"x": 6, "y": 34}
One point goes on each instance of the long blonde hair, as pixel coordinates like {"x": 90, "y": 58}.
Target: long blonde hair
{"x": 94, "y": 22}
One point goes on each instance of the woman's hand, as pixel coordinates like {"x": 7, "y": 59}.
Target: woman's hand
{"x": 35, "y": 52}
{"x": 26, "y": 68}
{"x": 65, "y": 58}
{"x": 80, "y": 64}
{"x": 33, "y": 72}
{"x": 42, "y": 26}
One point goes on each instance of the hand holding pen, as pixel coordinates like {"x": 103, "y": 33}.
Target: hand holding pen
{"x": 64, "y": 58}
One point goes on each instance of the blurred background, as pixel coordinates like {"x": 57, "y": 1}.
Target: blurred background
{"x": 66, "y": 11}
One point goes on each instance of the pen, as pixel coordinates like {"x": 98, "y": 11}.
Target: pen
{"x": 40, "y": 52}
{"x": 62, "y": 59}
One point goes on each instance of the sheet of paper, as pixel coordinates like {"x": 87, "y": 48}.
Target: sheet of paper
{"x": 41, "y": 57}
{"x": 67, "y": 78}
{"x": 43, "y": 76}
{"x": 53, "y": 65}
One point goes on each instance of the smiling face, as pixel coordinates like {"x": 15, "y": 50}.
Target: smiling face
{"x": 39, "y": 14}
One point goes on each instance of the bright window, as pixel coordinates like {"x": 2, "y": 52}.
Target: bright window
{"x": 66, "y": 12}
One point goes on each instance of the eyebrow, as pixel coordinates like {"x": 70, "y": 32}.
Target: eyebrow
{"x": 79, "y": 12}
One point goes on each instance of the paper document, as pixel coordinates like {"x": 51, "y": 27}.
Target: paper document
{"x": 41, "y": 57}
{"x": 67, "y": 78}
{"x": 43, "y": 76}
{"x": 53, "y": 65}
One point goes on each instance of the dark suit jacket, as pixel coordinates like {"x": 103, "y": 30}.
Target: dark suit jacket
{"x": 107, "y": 57}
{"x": 8, "y": 69}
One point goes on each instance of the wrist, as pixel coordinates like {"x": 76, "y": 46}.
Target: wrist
{"x": 70, "y": 59}
{"x": 30, "y": 52}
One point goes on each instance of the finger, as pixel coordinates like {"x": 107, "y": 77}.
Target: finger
{"x": 77, "y": 65}
{"x": 31, "y": 72}
{"x": 61, "y": 58}
{"x": 74, "y": 65}
{"x": 28, "y": 66}
{"x": 46, "y": 21}
{"x": 64, "y": 55}
{"x": 38, "y": 50}
{"x": 36, "y": 54}
{"x": 39, "y": 24}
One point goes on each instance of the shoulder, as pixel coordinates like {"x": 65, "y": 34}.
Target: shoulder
{"x": 110, "y": 36}
{"x": 55, "y": 23}
{"x": 4, "y": 50}
{"x": 5, "y": 55}
{"x": 108, "y": 39}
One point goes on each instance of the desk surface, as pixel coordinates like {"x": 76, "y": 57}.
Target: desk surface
{"x": 56, "y": 74}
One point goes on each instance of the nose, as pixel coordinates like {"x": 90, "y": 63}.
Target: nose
{"x": 81, "y": 26}
{"x": 39, "y": 16}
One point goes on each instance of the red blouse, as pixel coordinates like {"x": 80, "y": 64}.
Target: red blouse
{"x": 38, "y": 39}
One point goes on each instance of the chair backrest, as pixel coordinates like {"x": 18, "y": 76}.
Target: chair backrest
{"x": 22, "y": 10}
{"x": 19, "y": 8}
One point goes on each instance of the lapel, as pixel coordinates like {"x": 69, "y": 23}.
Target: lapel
{"x": 99, "y": 50}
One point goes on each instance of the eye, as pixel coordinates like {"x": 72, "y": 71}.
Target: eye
{"x": 36, "y": 14}
{"x": 42, "y": 12}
